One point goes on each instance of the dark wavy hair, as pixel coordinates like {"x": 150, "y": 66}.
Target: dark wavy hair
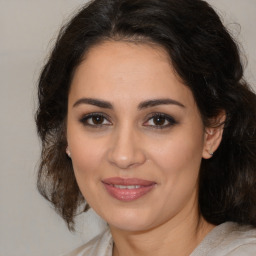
{"x": 205, "y": 57}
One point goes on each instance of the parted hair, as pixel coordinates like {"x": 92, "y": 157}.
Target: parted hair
{"x": 207, "y": 59}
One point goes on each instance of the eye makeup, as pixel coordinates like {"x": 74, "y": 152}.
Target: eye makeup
{"x": 160, "y": 121}
{"x": 153, "y": 120}
{"x": 95, "y": 120}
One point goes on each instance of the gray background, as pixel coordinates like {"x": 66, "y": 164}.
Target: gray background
{"x": 28, "y": 28}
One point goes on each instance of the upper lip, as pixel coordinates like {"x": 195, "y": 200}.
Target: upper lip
{"x": 127, "y": 181}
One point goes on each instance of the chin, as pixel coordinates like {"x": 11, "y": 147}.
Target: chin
{"x": 130, "y": 221}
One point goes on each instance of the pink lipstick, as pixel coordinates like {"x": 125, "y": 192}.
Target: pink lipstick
{"x": 127, "y": 189}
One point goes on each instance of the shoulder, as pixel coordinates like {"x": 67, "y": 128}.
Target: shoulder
{"x": 228, "y": 239}
{"x": 101, "y": 245}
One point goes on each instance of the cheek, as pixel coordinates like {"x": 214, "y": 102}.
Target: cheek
{"x": 178, "y": 161}
{"x": 85, "y": 149}
{"x": 87, "y": 160}
{"x": 87, "y": 155}
{"x": 179, "y": 155}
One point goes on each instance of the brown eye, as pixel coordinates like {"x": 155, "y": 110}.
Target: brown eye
{"x": 159, "y": 120}
{"x": 95, "y": 120}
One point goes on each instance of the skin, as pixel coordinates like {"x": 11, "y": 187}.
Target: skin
{"x": 126, "y": 141}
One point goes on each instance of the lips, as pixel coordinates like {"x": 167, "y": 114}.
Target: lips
{"x": 127, "y": 189}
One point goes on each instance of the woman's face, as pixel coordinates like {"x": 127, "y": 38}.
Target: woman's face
{"x": 135, "y": 135}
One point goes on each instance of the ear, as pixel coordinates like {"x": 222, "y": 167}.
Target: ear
{"x": 68, "y": 152}
{"x": 213, "y": 135}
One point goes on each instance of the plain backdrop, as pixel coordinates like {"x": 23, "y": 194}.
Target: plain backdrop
{"x": 28, "y": 28}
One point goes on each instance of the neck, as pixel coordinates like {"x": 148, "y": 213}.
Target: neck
{"x": 180, "y": 236}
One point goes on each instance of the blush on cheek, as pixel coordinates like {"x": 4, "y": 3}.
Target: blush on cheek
{"x": 86, "y": 161}
{"x": 181, "y": 162}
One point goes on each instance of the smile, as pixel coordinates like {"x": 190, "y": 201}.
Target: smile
{"x": 127, "y": 189}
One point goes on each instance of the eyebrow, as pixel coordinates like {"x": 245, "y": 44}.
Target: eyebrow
{"x": 142, "y": 105}
{"x": 156, "y": 102}
{"x": 95, "y": 102}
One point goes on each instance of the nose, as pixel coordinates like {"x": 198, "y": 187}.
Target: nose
{"x": 126, "y": 149}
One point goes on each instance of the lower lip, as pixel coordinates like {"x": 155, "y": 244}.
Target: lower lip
{"x": 127, "y": 195}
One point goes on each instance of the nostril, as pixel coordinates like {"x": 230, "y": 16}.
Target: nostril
{"x": 127, "y": 158}
{"x": 125, "y": 151}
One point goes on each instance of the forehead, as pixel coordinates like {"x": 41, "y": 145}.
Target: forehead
{"x": 127, "y": 70}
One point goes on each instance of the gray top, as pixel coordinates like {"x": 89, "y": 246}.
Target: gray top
{"x": 227, "y": 239}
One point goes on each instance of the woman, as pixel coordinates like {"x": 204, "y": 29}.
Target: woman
{"x": 144, "y": 113}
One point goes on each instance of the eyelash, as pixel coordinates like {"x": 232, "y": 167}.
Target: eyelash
{"x": 85, "y": 120}
{"x": 171, "y": 121}
{"x": 166, "y": 118}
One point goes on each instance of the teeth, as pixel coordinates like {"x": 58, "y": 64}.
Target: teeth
{"x": 127, "y": 187}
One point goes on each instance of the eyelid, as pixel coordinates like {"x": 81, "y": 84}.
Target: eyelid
{"x": 172, "y": 121}
{"x": 86, "y": 117}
